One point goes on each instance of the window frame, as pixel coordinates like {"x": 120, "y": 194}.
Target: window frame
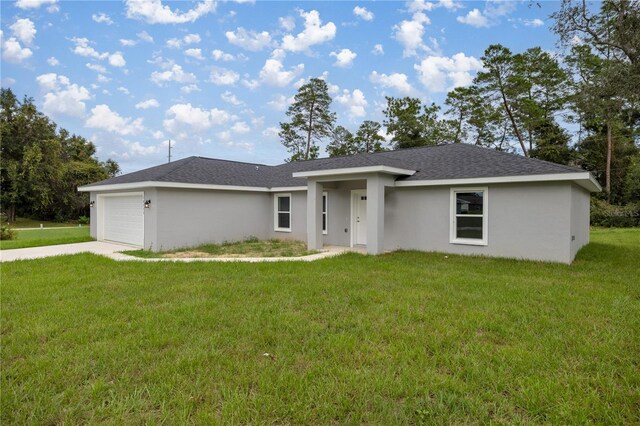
{"x": 453, "y": 239}
{"x": 276, "y": 212}
{"x": 325, "y": 213}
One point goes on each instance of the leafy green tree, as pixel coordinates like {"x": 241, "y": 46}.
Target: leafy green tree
{"x": 311, "y": 120}
{"x": 342, "y": 143}
{"x": 368, "y": 137}
{"x": 41, "y": 166}
{"x": 411, "y": 124}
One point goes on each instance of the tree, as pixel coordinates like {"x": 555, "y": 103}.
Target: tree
{"x": 342, "y": 143}
{"x": 311, "y": 120}
{"x": 41, "y": 166}
{"x": 368, "y": 137}
{"x": 411, "y": 124}
{"x": 607, "y": 60}
{"x": 500, "y": 82}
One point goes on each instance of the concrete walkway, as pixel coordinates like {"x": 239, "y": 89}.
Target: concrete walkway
{"x": 95, "y": 247}
{"x": 112, "y": 251}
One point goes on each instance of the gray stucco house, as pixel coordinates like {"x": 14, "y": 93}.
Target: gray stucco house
{"x": 455, "y": 198}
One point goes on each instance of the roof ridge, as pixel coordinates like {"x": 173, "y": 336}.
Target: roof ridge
{"x": 231, "y": 161}
{"x": 564, "y": 166}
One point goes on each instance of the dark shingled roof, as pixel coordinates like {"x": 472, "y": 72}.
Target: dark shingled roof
{"x": 455, "y": 161}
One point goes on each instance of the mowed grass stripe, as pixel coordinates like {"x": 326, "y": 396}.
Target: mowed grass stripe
{"x": 402, "y": 338}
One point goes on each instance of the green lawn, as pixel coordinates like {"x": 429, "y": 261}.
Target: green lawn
{"x": 23, "y": 222}
{"x": 247, "y": 248}
{"x": 403, "y": 338}
{"x": 47, "y": 237}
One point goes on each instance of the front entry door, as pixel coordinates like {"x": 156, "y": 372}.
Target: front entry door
{"x": 360, "y": 217}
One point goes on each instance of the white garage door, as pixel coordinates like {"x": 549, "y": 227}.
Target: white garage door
{"x": 124, "y": 219}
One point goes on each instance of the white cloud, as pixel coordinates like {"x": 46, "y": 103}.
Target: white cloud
{"x": 128, "y": 42}
{"x": 378, "y": 49}
{"x": 440, "y": 74}
{"x": 123, "y": 90}
{"x": 223, "y": 76}
{"x": 82, "y": 48}
{"x": 144, "y": 36}
{"x": 355, "y": 102}
{"x": 270, "y": 132}
{"x": 273, "y": 73}
{"x": 8, "y": 81}
{"x": 363, "y": 13}
{"x": 287, "y": 22}
{"x": 53, "y": 61}
{"x": 103, "y": 79}
{"x": 102, "y": 18}
{"x": 175, "y": 73}
{"x": 33, "y": 4}
{"x": 409, "y": 33}
{"x": 63, "y": 98}
{"x": 97, "y": 68}
{"x": 219, "y": 55}
{"x": 136, "y": 148}
{"x": 177, "y": 43}
{"x": 314, "y": 33}
{"x": 154, "y": 12}
{"x": 194, "y": 53}
{"x": 24, "y": 30}
{"x": 344, "y": 58}
{"x": 198, "y": 120}
{"x": 248, "y": 39}
{"x": 103, "y": 118}
{"x": 149, "y": 103}
{"x": 240, "y": 127}
{"x": 475, "y": 18}
{"x": 396, "y": 81}
{"x": 117, "y": 60}
{"x": 280, "y": 102}
{"x": 533, "y": 22}
{"x": 190, "y": 88}
{"x": 12, "y": 50}
{"x": 231, "y": 98}
{"x": 493, "y": 11}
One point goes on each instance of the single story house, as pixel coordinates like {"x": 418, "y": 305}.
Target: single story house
{"x": 456, "y": 198}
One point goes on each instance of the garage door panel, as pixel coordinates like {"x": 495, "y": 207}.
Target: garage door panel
{"x": 124, "y": 219}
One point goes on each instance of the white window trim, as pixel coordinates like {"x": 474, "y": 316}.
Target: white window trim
{"x": 325, "y": 213}
{"x": 276, "y": 211}
{"x": 485, "y": 214}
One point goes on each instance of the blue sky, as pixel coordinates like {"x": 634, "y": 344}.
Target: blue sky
{"x": 215, "y": 78}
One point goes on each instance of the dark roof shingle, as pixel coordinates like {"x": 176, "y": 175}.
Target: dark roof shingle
{"x": 455, "y": 161}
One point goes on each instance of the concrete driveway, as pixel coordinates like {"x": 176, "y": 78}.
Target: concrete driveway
{"x": 97, "y": 247}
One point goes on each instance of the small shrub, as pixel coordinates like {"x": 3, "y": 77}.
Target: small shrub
{"x": 612, "y": 216}
{"x": 83, "y": 220}
{"x": 7, "y": 233}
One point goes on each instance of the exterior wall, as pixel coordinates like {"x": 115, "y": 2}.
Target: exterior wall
{"x": 187, "y": 218}
{"x": 528, "y": 221}
{"x": 580, "y": 218}
{"x": 339, "y": 217}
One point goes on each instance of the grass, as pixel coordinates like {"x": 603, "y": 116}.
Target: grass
{"x": 248, "y": 248}
{"x": 23, "y": 222}
{"x": 47, "y": 237}
{"x": 402, "y": 338}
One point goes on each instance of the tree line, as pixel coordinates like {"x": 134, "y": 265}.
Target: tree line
{"x": 42, "y": 165}
{"x": 581, "y": 107}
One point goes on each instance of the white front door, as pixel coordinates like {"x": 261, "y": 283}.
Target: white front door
{"x": 359, "y": 217}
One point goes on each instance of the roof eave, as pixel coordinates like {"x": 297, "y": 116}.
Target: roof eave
{"x": 396, "y": 171}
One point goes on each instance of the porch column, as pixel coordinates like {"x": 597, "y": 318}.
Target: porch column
{"x": 314, "y": 215}
{"x": 375, "y": 214}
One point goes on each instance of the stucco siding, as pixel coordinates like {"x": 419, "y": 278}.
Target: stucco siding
{"x": 529, "y": 221}
{"x": 188, "y": 218}
{"x": 580, "y": 218}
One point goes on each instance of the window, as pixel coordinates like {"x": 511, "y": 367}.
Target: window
{"x": 282, "y": 212}
{"x": 469, "y": 216}
{"x": 325, "y": 225}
